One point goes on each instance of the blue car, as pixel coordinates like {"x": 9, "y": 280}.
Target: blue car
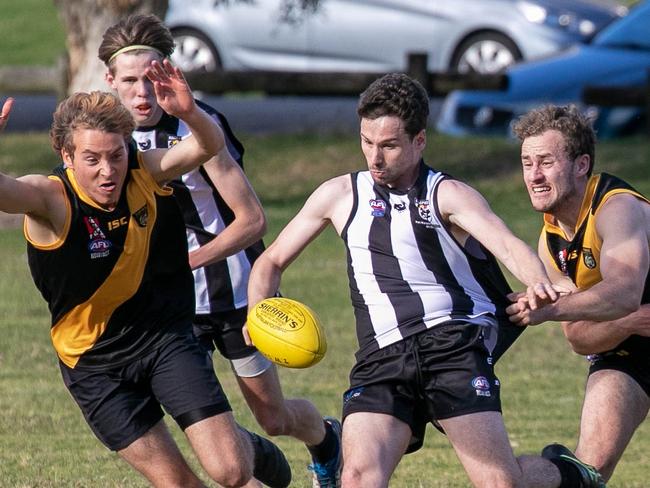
{"x": 619, "y": 56}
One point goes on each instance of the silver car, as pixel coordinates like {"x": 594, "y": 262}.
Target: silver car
{"x": 481, "y": 36}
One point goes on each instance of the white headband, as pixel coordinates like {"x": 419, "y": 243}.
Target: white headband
{"x": 134, "y": 47}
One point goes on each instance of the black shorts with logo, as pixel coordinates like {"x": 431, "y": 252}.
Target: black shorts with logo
{"x": 223, "y": 330}
{"x": 631, "y": 357}
{"x": 441, "y": 373}
{"x": 123, "y": 403}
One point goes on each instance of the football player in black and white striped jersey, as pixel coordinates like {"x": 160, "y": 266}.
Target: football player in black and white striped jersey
{"x": 428, "y": 300}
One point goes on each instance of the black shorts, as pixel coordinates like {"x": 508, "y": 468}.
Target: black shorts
{"x": 223, "y": 330}
{"x": 441, "y": 373}
{"x": 123, "y": 403}
{"x": 507, "y": 335}
{"x": 632, "y": 357}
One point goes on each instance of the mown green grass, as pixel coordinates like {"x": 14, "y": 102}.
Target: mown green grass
{"x": 32, "y": 33}
{"x": 44, "y": 442}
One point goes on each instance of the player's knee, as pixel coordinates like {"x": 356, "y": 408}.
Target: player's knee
{"x": 354, "y": 476}
{"x": 230, "y": 475}
{"x": 272, "y": 422}
{"x": 351, "y": 477}
{"x": 235, "y": 470}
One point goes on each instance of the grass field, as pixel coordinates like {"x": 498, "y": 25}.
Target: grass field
{"x": 31, "y": 33}
{"x": 44, "y": 441}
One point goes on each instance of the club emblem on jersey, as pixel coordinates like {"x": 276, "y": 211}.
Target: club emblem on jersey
{"x": 173, "y": 140}
{"x": 140, "y": 216}
{"x": 588, "y": 258}
{"x": 98, "y": 245}
{"x": 423, "y": 210}
{"x": 144, "y": 145}
{"x": 400, "y": 207}
{"x": 378, "y": 208}
{"x": 482, "y": 386}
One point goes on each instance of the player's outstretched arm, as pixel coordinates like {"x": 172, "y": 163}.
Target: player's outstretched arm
{"x": 466, "y": 208}
{"x": 174, "y": 96}
{"x": 520, "y": 312}
{"x": 36, "y": 196}
{"x": 589, "y": 337}
{"x": 329, "y": 203}
{"x": 622, "y": 224}
{"x": 249, "y": 224}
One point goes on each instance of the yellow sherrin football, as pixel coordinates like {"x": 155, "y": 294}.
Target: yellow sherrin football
{"x": 287, "y": 332}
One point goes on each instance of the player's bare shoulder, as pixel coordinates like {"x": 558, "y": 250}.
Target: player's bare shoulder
{"x": 335, "y": 199}
{"x": 455, "y": 197}
{"x": 47, "y": 211}
{"x": 623, "y": 210}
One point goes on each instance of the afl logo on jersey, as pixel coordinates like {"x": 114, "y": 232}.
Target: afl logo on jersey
{"x": 378, "y": 208}
{"x": 482, "y": 386}
{"x": 173, "y": 140}
{"x": 481, "y": 383}
{"x": 98, "y": 245}
{"x": 588, "y": 258}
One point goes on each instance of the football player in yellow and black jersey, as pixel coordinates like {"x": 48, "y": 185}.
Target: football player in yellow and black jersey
{"x": 595, "y": 243}
{"x": 224, "y": 222}
{"x": 107, "y": 250}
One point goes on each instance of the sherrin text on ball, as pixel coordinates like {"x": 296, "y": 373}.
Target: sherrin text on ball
{"x": 287, "y": 332}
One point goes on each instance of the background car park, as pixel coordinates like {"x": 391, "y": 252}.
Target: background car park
{"x": 377, "y": 35}
{"x": 619, "y": 56}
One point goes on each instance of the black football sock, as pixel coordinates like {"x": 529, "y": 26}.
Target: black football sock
{"x": 270, "y": 465}
{"x": 568, "y": 472}
{"x": 328, "y": 448}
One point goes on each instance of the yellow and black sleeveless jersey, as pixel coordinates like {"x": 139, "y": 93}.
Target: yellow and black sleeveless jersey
{"x": 579, "y": 258}
{"x": 118, "y": 282}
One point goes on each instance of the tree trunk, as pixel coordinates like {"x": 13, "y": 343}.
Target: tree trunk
{"x": 85, "y": 22}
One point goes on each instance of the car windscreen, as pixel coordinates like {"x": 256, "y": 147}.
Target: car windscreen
{"x": 631, "y": 32}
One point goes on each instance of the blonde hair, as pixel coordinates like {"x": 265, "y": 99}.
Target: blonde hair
{"x": 96, "y": 110}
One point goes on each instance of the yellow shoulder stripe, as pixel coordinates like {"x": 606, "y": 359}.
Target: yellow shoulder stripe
{"x": 81, "y": 327}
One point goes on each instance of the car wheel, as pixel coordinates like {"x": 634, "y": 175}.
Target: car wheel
{"x": 487, "y": 52}
{"x": 194, "y": 53}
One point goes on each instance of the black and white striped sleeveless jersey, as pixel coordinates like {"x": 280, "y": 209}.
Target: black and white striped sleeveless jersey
{"x": 221, "y": 286}
{"x": 407, "y": 273}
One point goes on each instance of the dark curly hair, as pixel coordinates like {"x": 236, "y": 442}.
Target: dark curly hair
{"x": 399, "y": 95}
{"x": 577, "y": 129}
